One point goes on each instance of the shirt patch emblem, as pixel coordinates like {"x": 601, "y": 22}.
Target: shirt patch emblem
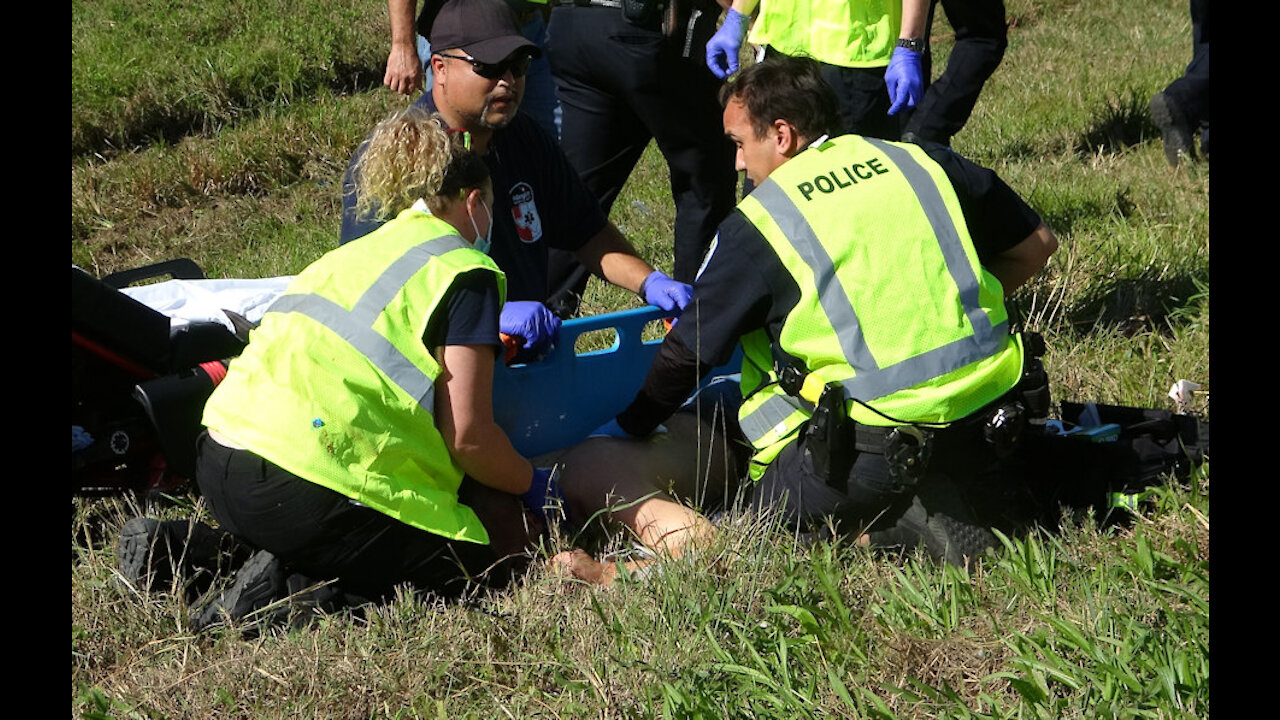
{"x": 525, "y": 212}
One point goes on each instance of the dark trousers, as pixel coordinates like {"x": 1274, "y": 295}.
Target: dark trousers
{"x": 867, "y": 496}
{"x": 864, "y": 103}
{"x": 620, "y": 86}
{"x": 324, "y": 535}
{"x": 981, "y": 39}
{"x": 863, "y": 99}
{"x": 1191, "y": 91}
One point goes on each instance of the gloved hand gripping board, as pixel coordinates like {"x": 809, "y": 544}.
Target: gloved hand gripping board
{"x": 559, "y": 400}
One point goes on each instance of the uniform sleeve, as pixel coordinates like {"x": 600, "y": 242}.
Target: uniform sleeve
{"x": 998, "y": 218}
{"x": 731, "y": 297}
{"x": 468, "y": 314}
{"x": 674, "y": 374}
{"x": 734, "y": 292}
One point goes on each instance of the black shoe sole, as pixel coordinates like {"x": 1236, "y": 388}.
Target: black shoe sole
{"x": 939, "y": 520}
{"x": 258, "y": 583}
{"x": 143, "y": 552}
{"x": 1174, "y": 131}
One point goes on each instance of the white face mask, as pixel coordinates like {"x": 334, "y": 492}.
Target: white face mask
{"x": 482, "y": 244}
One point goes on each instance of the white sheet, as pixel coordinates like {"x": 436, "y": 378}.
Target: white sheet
{"x": 187, "y": 301}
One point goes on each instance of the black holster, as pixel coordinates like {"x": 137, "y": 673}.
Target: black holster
{"x": 674, "y": 17}
{"x": 833, "y": 441}
{"x": 644, "y": 13}
{"x": 829, "y": 438}
{"x": 1028, "y": 402}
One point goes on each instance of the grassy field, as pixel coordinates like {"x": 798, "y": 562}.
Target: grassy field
{"x": 220, "y": 132}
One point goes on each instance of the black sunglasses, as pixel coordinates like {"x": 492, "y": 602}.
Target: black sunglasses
{"x": 519, "y": 65}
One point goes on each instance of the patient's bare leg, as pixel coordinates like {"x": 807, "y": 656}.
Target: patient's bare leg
{"x": 636, "y": 483}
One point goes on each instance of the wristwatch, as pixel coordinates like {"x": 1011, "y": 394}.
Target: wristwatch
{"x": 917, "y": 44}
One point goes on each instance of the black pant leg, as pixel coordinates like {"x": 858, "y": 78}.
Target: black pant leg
{"x": 620, "y": 86}
{"x": 864, "y": 101}
{"x": 598, "y": 137}
{"x": 791, "y": 487}
{"x": 981, "y": 39}
{"x": 323, "y": 535}
{"x": 960, "y": 460}
{"x": 1191, "y": 91}
{"x": 680, "y": 106}
{"x": 602, "y": 135}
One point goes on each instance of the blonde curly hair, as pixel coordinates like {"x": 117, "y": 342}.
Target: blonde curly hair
{"x": 411, "y": 155}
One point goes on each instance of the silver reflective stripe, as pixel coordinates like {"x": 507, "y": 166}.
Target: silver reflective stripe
{"x": 385, "y": 356}
{"x": 921, "y": 368}
{"x": 831, "y": 294}
{"x": 688, "y": 35}
{"x": 771, "y": 413}
{"x": 944, "y": 228}
{"x": 388, "y": 285}
{"x": 356, "y": 325}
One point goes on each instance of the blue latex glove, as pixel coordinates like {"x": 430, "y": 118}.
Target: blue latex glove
{"x": 532, "y": 322}
{"x": 614, "y": 430}
{"x": 723, "y": 47}
{"x": 662, "y": 291}
{"x": 905, "y": 79}
{"x": 544, "y": 492}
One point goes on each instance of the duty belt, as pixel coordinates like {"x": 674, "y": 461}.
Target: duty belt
{"x": 874, "y": 439}
{"x": 833, "y": 440}
{"x": 588, "y": 3}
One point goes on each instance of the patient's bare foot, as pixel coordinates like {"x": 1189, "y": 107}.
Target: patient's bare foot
{"x": 578, "y": 564}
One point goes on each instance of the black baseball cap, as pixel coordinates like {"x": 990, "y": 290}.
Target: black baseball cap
{"x": 484, "y": 29}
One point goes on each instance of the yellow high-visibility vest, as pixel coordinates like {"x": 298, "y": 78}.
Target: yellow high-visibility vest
{"x": 848, "y": 33}
{"x": 337, "y": 387}
{"x": 893, "y": 302}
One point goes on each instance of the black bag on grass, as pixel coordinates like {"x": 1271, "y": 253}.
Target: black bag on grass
{"x": 1107, "y": 456}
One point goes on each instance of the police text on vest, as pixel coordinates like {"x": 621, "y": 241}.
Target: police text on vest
{"x": 842, "y": 178}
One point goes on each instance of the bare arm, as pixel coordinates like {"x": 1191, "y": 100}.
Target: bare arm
{"x": 609, "y": 255}
{"x": 1018, "y": 264}
{"x": 404, "y": 67}
{"x": 464, "y": 416}
{"x": 914, "y": 15}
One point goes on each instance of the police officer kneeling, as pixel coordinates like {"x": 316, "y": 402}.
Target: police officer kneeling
{"x": 865, "y": 280}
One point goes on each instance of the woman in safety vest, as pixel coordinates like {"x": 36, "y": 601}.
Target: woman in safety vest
{"x": 354, "y": 438}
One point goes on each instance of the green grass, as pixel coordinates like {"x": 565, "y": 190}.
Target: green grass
{"x": 1084, "y": 622}
{"x": 142, "y": 71}
{"x": 220, "y": 132}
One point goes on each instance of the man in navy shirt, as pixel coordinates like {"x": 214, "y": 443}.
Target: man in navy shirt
{"x": 479, "y": 60}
